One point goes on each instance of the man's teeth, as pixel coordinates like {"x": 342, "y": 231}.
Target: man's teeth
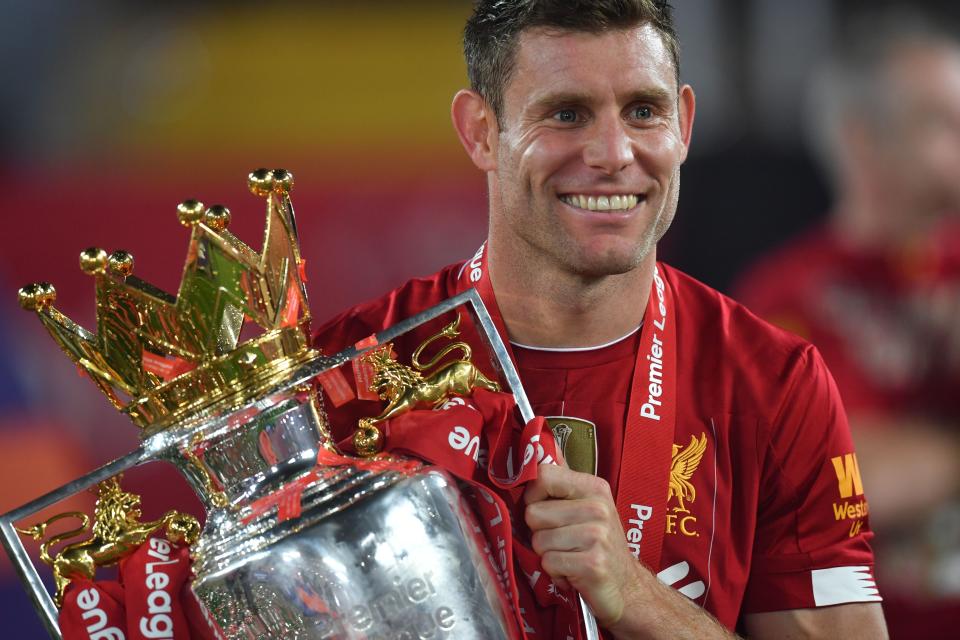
{"x": 601, "y": 203}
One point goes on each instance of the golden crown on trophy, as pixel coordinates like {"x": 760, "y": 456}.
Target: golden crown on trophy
{"x": 161, "y": 358}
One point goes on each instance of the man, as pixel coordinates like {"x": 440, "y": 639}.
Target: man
{"x": 578, "y": 119}
{"x": 877, "y": 288}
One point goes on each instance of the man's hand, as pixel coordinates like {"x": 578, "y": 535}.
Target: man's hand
{"x": 579, "y": 538}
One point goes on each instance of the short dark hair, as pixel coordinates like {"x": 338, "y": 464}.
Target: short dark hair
{"x": 492, "y": 32}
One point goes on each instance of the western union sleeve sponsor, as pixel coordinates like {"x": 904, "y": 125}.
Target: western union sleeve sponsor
{"x": 848, "y": 475}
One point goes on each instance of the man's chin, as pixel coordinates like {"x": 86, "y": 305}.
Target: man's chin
{"x": 607, "y": 264}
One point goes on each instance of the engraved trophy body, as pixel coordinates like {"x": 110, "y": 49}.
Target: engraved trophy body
{"x": 366, "y": 552}
{"x": 300, "y": 542}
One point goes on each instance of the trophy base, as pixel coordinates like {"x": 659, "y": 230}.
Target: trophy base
{"x": 402, "y": 563}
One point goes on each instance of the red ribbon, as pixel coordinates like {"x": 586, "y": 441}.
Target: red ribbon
{"x": 165, "y": 367}
{"x": 291, "y": 310}
{"x": 287, "y": 499}
{"x": 151, "y": 601}
{"x": 91, "y": 609}
{"x": 336, "y": 386}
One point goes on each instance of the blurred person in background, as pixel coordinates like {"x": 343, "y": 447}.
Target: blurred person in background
{"x": 877, "y": 289}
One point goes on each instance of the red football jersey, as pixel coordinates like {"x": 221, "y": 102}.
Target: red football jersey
{"x": 766, "y": 508}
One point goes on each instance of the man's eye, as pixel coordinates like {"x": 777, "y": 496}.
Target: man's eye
{"x": 642, "y": 113}
{"x": 565, "y": 115}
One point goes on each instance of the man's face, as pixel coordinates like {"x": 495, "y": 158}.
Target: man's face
{"x": 588, "y": 157}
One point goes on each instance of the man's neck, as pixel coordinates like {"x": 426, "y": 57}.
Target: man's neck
{"x": 543, "y": 306}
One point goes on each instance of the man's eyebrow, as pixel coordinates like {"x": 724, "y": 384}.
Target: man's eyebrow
{"x": 652, "y": 94}
{"x": 554, "y": 100}
{"x": 559, "y": 99}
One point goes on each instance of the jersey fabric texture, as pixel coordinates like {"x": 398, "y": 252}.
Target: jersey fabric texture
{"x": 768, "y": 515}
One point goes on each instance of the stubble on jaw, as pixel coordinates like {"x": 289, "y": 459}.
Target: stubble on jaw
{"x": 562, "y": 250}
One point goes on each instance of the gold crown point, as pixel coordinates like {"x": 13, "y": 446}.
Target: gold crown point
{"x": 190, "y": 212}
{"x": 282, "y": 181}
{"x": 93, "y": 261}
{"x": 200, "y": 366}
{"x": 37, "y": 296}
{"x": 217, "y": 217}
{"x": 120, "y": 263}
{"x": 260, "y": 182}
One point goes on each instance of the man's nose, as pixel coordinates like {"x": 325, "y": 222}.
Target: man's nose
{"x": 610, "y": 148}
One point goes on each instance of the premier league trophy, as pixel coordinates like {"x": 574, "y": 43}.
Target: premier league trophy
{"x": 382, "y": 547}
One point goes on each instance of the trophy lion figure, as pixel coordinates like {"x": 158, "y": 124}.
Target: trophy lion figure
{"x": 405, "y": 388}
{"x": 116, "y": 533}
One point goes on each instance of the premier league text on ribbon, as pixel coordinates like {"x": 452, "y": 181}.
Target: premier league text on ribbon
{"x": 655, "y": 377}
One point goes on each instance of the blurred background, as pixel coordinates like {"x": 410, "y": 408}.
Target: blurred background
{"x": 113, "y": 112}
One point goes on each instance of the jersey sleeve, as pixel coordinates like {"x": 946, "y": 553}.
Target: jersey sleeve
{"x": 811, "y": 547}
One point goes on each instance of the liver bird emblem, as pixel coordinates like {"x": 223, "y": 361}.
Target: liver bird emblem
{"x": 685, "y": 462}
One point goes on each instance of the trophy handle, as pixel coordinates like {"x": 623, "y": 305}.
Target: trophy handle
{"x": 116, "y": 533}
{"x": 43, "y": 602}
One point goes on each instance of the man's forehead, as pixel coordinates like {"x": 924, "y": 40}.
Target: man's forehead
{"x": 637, "y": 55}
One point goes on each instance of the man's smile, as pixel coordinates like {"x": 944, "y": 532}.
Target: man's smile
{"x": 621, "y": 202}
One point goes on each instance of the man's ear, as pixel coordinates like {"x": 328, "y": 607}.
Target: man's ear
{"x": 688, "y": 107}
{"x": 476, "y": 127}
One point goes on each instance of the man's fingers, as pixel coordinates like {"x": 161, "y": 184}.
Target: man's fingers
{"x": 554, "y": 481}
{"x": 577, "y": 534}
{"x": 577, "y": 567}
{"x": 588, "y": 535}
{"x": 551, "y": 482}
{"x": 550, "y": 514}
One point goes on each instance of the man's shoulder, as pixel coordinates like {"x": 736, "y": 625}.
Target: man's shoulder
{"x": 733, "y": 360}
{"x": 374, "y": 315}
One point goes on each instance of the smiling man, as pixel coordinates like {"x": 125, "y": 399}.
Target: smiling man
{"x": 712, "y": 483}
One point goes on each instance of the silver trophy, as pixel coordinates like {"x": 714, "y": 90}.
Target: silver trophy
{"x": 300, "y": 542}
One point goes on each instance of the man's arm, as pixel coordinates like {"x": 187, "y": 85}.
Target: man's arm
{"x": 578, "y": 535}
{"x": 654, "y": 610}
{"x": 849, "y": 621}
